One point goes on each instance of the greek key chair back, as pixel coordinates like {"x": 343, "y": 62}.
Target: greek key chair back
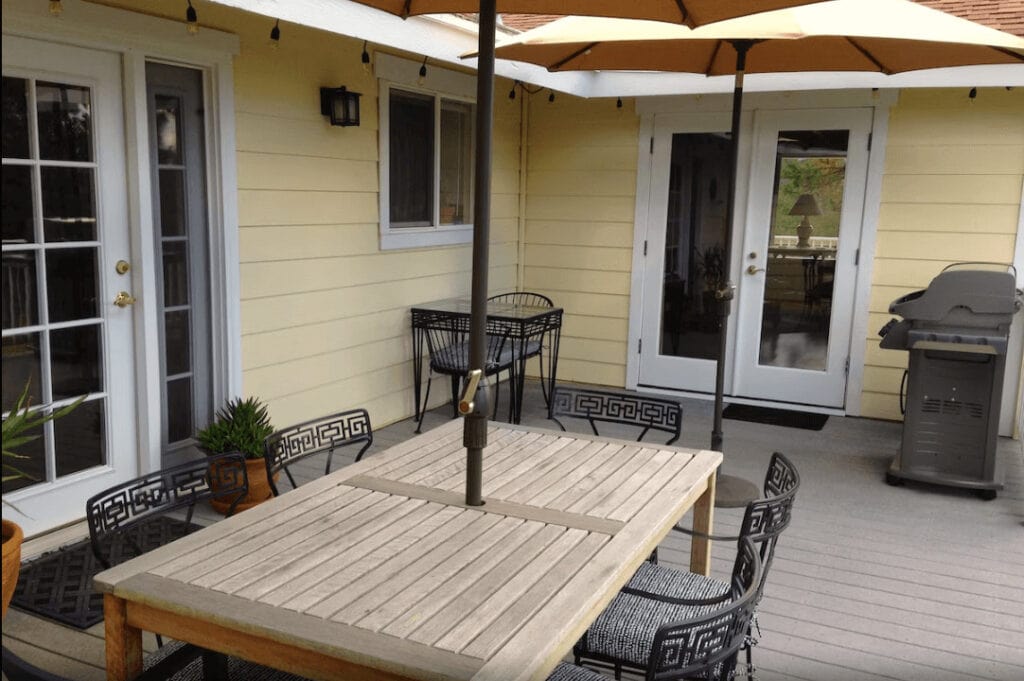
{"x": 125, "y": 509}
{"x": 765, "y": 519}
{"x": 290, "y": 445}
{"x": 706, "y": 647}
{"x": 647, "y": 413}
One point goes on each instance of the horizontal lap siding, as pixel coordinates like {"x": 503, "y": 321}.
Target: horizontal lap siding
{"x": 325, "y": 312}
{"x": 581, "y": 197}
{"x": 951, "y": 192}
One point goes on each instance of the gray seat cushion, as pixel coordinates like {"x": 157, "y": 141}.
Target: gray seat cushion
{"x": 570, "y": 672}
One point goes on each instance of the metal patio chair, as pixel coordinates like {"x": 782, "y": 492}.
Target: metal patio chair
{"x": 290, "y": 445}
{"x": 664, "y": 637}
{"x": 642, "y": 411}
{"x": 127, "y": 512}
{"x": 534, "y": 346}
{"x": 448, "y": 346}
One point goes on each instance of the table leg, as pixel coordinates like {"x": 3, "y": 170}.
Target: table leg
{"x": 124, "y": 642}
{"x": 417, "y": 369}
{"x": 556, "y": 337}
{"x": 703, "y": 515}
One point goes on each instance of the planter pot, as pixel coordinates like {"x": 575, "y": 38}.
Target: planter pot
{"x": 13, "y": 537}
{"x": 259, "y": 488}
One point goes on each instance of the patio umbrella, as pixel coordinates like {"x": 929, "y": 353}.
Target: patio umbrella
{"x": 887, "y": 36}
{"x": 683, "y": 12}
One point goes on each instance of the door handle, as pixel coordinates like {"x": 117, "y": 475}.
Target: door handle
{"x": 124, "y": 299}
{"x": 754, "y": 269}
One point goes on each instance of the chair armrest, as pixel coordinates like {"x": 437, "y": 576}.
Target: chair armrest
{"x": 702, "y": 535}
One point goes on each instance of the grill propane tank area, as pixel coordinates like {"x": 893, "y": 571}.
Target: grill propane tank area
{"x": 957, "y": 332}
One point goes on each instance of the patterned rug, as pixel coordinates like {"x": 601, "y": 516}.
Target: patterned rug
{"x": 58, "y": 585}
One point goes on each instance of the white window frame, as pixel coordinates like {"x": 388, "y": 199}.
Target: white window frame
{"x": 403, "y": 74}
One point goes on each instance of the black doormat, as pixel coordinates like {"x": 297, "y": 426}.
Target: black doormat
{"x": 775, "y": 417}
{"x": 58, "y": 585}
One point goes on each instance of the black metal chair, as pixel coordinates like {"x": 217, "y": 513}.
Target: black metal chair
{"x": 763, "y": 522}
{"x": 534, "y": 346}
{"x": 448, "y": 347}
{"x": 665, "y": 637}
{"x": 325, "y": 434}
{"x": 122, "y": 521}
{"x": 647, "y": 413}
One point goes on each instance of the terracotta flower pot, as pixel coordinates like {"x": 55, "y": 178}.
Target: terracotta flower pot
{"x": 259, "y": 488}
{"x": 12, "y": 537}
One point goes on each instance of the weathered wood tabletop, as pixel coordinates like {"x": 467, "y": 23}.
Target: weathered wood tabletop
{"x": 380, "y": 571}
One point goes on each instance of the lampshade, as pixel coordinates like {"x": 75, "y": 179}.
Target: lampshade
{"x": 805, "y": 205}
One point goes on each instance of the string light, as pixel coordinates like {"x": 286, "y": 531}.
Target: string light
{"x": 275, "y": 35}
{"x": 423, "y": 72}
{"x": 191, "y": 19}
{"x": 512, "y": 92}
{"x": 618, "y": 103}
{"x": 972, "y": 94}
{"x": 366, "y": 59}
{"x": 551, "y": 96}
{"x": 56, "y": 8}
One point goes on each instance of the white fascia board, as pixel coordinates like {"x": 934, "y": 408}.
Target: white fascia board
{"x": 443, "y": 38}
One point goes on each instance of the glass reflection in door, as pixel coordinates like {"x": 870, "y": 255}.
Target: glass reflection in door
{"x": 694, "y": 235}
{"x": 810, "y": 177}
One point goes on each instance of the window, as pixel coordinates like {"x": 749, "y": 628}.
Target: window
{"x": 427, "y": 154}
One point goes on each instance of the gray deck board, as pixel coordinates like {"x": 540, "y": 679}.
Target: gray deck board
{"x": 869, "y": 583}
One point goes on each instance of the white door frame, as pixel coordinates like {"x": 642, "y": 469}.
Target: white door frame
{"x": 649, "y": 107}
{"x": 138, "y": 38}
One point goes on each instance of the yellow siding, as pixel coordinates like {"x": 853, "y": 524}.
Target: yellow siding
{"x": 325, "y": 312}
{"x": 580, "y": 203}
{"x": 950, "y": 193}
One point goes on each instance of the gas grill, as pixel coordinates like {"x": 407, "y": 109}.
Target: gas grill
{"x": 957, "y": 332}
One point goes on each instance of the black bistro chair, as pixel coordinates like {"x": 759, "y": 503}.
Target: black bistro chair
{"x": 448, "y": 347}
{"x": 763, "y": 522}
{"x": 325, "y": 434}
{"x": 126, "y": 520}
{"x": 534, "y": 346}
{"x": 665, "y": 637}
{"x": 594, "y": 406}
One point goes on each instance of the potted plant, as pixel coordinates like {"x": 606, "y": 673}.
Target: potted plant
{"x": 19, "y": 422}
{"x": 240, "y": 426}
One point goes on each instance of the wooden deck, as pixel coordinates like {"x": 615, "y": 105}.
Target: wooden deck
{"x": 870, "y": 582}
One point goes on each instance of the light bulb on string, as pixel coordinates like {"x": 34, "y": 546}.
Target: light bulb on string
{"x": 551, "y": 96}
{"x": 191, "y": 19}
{"x": 366, "y": 60}
{"x": 423, "y": 72}
{"x": 275, "y": 35}
{"x": 618, "y": 103}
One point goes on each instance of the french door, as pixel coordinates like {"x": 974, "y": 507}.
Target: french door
{"x": 65, "y": 236}
{"x": 799, "y": 259}
{"x": 801, "y": 183}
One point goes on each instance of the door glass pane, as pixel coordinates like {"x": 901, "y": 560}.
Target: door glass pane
{"x": 810, "y": 176}
{"x": 15, "y": 118}
{"x": 19, "y": 227}
{"x": 69, "y": 210}
{"x": 172, "y": 202}
{"x": 75, "y": 361}
{"x": 178, "y": 339}
{"x": 79, "y": 438}
{"x": 19, "y": 290}
{"x": 179, "y": 409}
{"x": 71, "y": 284}
{"x": 168, "y": 130}
{"x": 411, "y": 161}
{"x": 456, "y": 161}
{"x": 65, "y": 122}
{"x": 33, "y": 466}
{"x": 694, "y": 235}
{"x": 22, "y": 360}
{"x": 175, "y": 273}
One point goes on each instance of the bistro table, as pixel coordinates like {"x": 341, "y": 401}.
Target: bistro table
{"x": 380, "y": 571}
{"x": 519, "y": 323}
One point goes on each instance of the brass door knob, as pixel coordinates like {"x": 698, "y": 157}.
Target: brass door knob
{"x": 124, "y": 299}
{"x": 754, "y": 269}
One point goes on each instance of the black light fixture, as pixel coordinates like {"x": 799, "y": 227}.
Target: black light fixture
{"x": 366, "y": 59}
{"x": 618, "y": 103}
{"x": 551, "y": 96}
{"x": 341, "y": 104}
{"x": 972, "y": 94}
{"x": 191, "y": 19}
{"x": 423, "y": 72}
{"x": 275, "y": 34}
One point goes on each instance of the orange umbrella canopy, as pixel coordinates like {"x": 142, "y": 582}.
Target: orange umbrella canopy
{"x": 888, "y": 36}
{"x": 688, "y": 12}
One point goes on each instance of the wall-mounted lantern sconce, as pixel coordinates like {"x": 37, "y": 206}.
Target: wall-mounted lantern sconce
{"x": 341, "y": 104}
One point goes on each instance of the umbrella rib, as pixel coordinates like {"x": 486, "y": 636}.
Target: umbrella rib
{"x": 881, "y": 67}
{"x": 685, "y": 13}
{"x": 562, "y": 62}
{"x": 1009, "y": 53}
{"x": 714, "y": 55}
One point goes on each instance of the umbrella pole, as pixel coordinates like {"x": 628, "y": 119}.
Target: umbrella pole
{"x": 725, "y": 294}
{"x": 474, "y": 435}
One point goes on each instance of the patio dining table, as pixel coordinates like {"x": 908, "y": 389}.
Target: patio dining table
{"x": 380, "y": 571}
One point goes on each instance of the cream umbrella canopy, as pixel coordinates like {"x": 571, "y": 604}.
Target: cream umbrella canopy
{"x": 683, "y": 12}
{"x": 887, "y": 36}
